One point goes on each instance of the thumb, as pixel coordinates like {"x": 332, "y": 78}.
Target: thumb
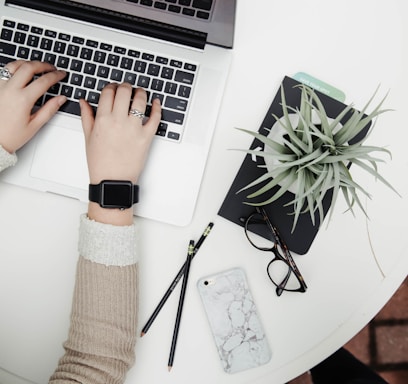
{"x": 87, "y": 118}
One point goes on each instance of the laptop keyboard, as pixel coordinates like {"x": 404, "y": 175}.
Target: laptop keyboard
{"x": 200, "y": 9}
{"x": 92, "y": 64}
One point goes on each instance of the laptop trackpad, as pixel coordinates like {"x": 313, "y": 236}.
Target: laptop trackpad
{"x": 60, "y": 157}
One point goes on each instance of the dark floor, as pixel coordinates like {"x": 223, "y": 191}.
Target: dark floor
{"x": 383, "y": 343}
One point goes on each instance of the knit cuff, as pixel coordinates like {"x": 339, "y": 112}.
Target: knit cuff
{"x": 6, "y": 159}
{"x": 107, "y": 244}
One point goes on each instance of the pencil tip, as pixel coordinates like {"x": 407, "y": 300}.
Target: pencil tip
{"x": 169, "y": 368}
{"x": 142, "y": 334}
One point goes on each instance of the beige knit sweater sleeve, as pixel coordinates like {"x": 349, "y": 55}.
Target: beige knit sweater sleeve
{"x": 102, "y": 334}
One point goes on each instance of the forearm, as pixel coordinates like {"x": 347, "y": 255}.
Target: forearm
{"x": 102, "y": 335}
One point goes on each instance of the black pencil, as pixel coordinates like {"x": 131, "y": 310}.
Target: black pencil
{"x": 174, "y": 282}
{"x": 181, "y": 303}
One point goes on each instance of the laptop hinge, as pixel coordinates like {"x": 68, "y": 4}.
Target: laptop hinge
{"x": 117, "y": 20}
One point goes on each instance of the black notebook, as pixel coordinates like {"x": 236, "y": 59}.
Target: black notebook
{"x": 234, "y": 207}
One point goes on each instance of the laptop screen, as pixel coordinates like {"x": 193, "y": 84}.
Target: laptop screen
{"x": 187, "y": 22}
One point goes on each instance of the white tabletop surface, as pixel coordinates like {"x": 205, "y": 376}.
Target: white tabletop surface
{"x": 352, "y": 269}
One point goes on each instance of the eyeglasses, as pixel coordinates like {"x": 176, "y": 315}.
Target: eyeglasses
{"x": 281, "y": 270}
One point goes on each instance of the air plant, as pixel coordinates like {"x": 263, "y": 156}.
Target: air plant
{"x": 314, "y": 154}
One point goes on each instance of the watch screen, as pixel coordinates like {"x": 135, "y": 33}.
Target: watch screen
{"x": 117, "y": 194}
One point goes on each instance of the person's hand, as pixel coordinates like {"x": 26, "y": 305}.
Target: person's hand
{"x": 117, "y": 143}
{"x": 17, "y": 98}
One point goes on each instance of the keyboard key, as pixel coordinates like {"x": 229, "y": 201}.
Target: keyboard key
{"x": 92, "y": 43}
{"x": 167, "y": 73}
{"x": 71, "y": 107}
{"x": 62, "y": 62}
{"x": 93, "y": 97}
{"x": 73, "y": 50}
{"x": 86, "y": 53}
{"x": 76, "y": 65}
{"x": 59, "y": 47}
{"x": 172, "y": 116}
{"x": 79, "y": 93}
{"x": 64, "y": 36}
{"x": 116, "y": 75}
{"x": 126, "y": 63}
{"x": 143, "y": 81}
{"x": 66, "y": 90}
{"x": 184, "y": 91}
{"x": 160, "y": 5}
{"x": 23, "y": 53}
{"x": 147, "y": 56}
{"x": 174, "y": 8}
{"x": 130, "y": 78}
{"x": 148, "y": 3}
{"x": 6, "y": 34}
{"x": 170, "y": 88}
{"x": 176, "y": 63}
{"x": 203, "y": 15}
{"x": 140, "y": 66}
{"x": 46, "y": 44}
{"x": 76, "y": 79}
{"x": 23, "y": 27}
{"x": 133, "y": 53}
{"x": 113, "y": 60}
{"x": 159, "y": 96}
{"x": 37, "y": 30}
{"x": 7, "y": 49}
{"x": 153, "y": 70}
{"x": 105, "y": 47}
{"x": 120, "y": 50}
{"x": 9, "y": 23}
{"x": 33, "y": 41}
{"x": 188, "y": 12}
{"x": 184, "y": 77}
{"x": 102, "y": 84}
{"x": 20, "y": 37}
{"x": 49, "y": 33}
{"x": 190, "y": 67}
{"x": 205, "y": 5}
{"x": 54, "y": 89}
{"x": 103, "y": 72}
{"x": 173, "y": 135}
{"x": 157, "y": 85}
{"x": 90, "y": 82}
{"x": 175, "y": 103}
{"x": 99, "y": 57}
{"x": 5, "y": 60}
{"x": 78, "y": 40}
{"x": 89, "y": 68}
{"x": 36, "y": 55}
{"x": 162, "y": 60}
{"x": 50, "y": 58}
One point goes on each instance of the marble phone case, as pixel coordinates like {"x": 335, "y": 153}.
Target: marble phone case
{"x": 234, "y": 321}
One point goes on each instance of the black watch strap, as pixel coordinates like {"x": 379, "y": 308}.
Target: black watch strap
{"x": 120, "y": 194}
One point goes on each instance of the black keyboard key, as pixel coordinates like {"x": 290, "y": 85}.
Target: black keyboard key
{"x": 76, "y": 65}
{"x": 54, "y": 89}
{"x": 205, "y": 5}
{"x": 103, "y": 72}
{"x": 102, "y": 84}
{"x": 175, "y": 103}
{"x": 78, "y": 40}
{"x": 133, "y": 53}
{"x": 89, "y": 68}
{"x": 20, "y": 37}
{"x": 159, "y": 96}
{"x": 153, "y": 70}
{"x": 9, "y": 23}
{"x": 188, "y": 12}
{"x": 90, "y": 82}
{"x": 190, "y": 67}
{"x": 37, "y": 30}
{"x": 120, "y": 50}
{"x": 130, "y": 78}
{"x": 64, "y": 36}
{"x": 173, "y": 135}
{"x": 172, "y": 116}
{"x": 36, "y": 55}
{"x": 99, "y": 57}
{"x": 147, "y": 56}
{"x": 126, "y": 63}
{"x": 116, "y": 75}
{"x": 184, "y": 77}
{"x": 73, "y": 50}
{"x": 162, "y": 60}
{"x": 160, "y": 5}
{"x": 162, "y": 129}
{"x": 143, "y": 81}
{"x": 23, "y": 53}
{"x": 50, "y": 58}
{"x": 170, "y": 88}
{"x": 33, "y": 41}
{"x": 176, "y": 63}
{"x": 5, "y": 60}
{"x": 71, "y": 107}
{"x": 86, "y": 53}
{"x": 92, "y": 43}
{"x": 148, "y": 3}
{"x": 76, "y": 79}
{"x": 140, "y": 66}
{"x": 105, "y": 47}
{"x": 59, "y": 47}
{"x": 66, "y": 90}
{"x": 167, "y": 73}
{"x": 63, "y": 62}
{"x": 7, "y": 49}
{"x": 203, "y": 15}
{"x": 46, "y": 44}
{"x": 185, "y": 3}
{"x": 93, "y": 97}
{"x": 79, "y": 93}
{"x": 6, "y": 34}
{"x": 157, "y": 85}
{"x": 23, "y": 27}
{"x": 49, "y": 33}
{"x": 184, "y": 91}
{"x": 174, "y": 8}
{"x": 113, "y": 60}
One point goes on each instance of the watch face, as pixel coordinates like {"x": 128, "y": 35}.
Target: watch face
{"x": 117, "y": 194}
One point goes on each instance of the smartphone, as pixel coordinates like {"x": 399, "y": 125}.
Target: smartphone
{"x": 237, "y": 331}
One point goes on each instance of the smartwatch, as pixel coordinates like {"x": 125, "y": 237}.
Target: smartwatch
{"x": 120, "y": 194}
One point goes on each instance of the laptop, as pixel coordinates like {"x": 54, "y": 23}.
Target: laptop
{"x": 178, "y": 50}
